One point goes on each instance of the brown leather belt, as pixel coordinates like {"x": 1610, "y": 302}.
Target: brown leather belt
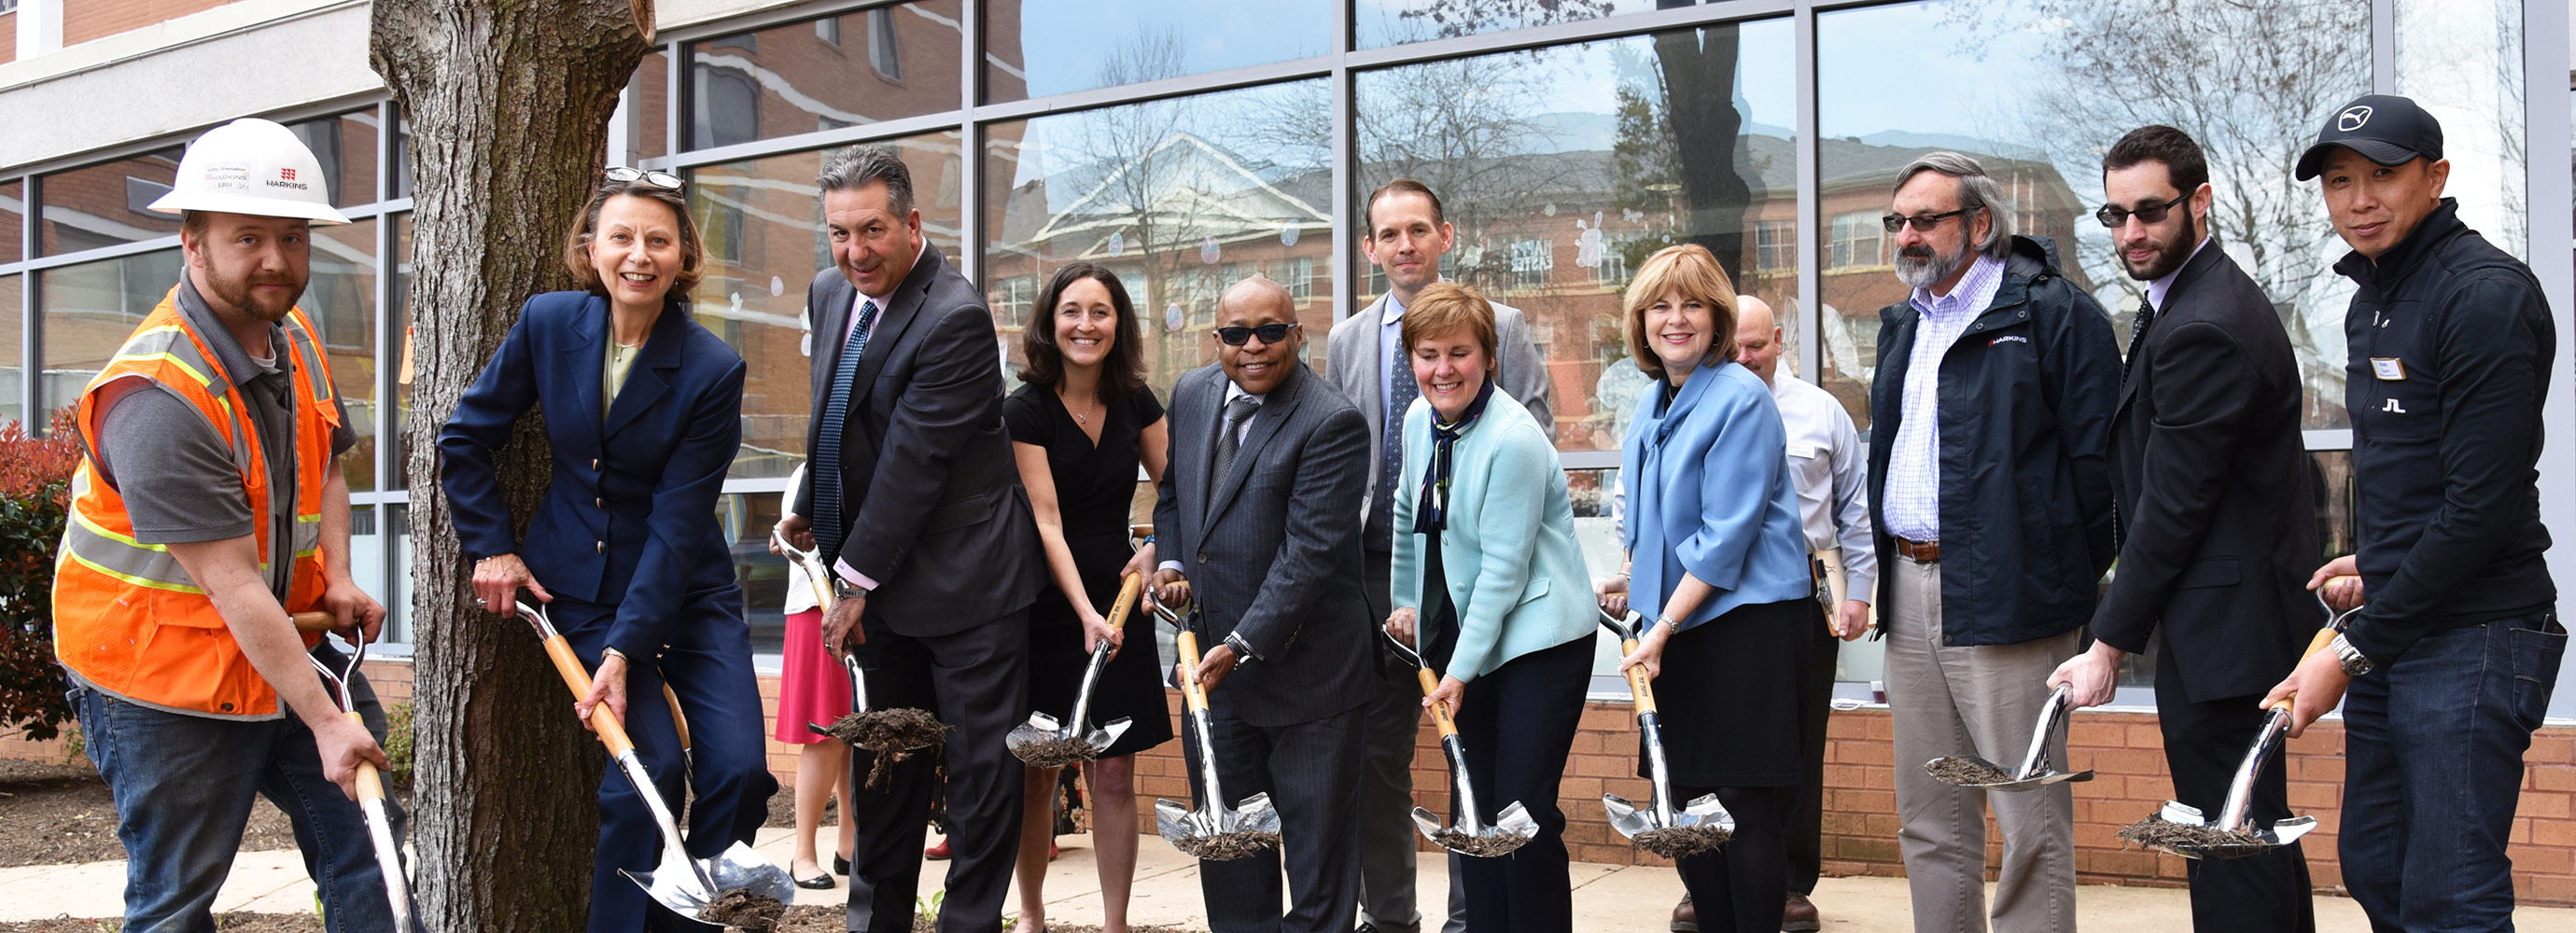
{"x": 1922, "y": 552}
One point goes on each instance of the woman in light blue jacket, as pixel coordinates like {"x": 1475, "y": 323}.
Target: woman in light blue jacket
{"x": 1720, "y": 564}
{"x": 1485, "y": 560}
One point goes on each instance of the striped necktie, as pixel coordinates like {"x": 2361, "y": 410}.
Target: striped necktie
{"x": 830, "y": 526}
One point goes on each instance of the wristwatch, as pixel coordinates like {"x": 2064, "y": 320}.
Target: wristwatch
{"x": 1242, "y": 649}
{"x": 845, "y": 589}
{"x": 2354, "y": 662}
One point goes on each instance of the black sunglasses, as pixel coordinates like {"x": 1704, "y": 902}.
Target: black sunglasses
{"x": 1269, "y": 333}
{"x": 656, "y": 178}
{"x": 1923, "y": 222}
{"x": 2113, "y": 217}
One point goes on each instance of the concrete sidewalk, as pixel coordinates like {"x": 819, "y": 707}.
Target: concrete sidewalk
{"x": 1606, "y": 897}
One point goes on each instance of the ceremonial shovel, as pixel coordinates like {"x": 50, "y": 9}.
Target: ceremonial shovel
{"x": 683, "y": 884}
{"x": 1212, "y": 831}
{"x": 2183, "y": 830}
{"x": 1044, "y": 743}
{"x": 1699, "y": 826}
{"x": 371, "y": 787}
{"x": 892, "y": 734}
{"x": 1512, "y": 827}
{"x": 1975, "y": 772}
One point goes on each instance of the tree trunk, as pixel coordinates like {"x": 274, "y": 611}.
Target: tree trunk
{"x": 1699, "y": 84}
{"x": 508, "y": 104}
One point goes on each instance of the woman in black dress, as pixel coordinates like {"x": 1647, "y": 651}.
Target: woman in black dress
{"x": 1080, "y": 425}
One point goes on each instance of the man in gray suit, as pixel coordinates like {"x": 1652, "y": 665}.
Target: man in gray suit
{"x": 1406, "y": 236}
{"x": 1259, "y": 511}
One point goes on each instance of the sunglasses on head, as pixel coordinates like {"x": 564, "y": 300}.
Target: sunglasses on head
{"x": 2113, "y": 217}
{"x": 656, "y": 178}
{"x": 1924, "y": 223}
{"x": 1269, "y": 333}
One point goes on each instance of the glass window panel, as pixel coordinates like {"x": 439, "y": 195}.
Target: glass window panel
{"x": 398, "y": 582}
{"x": 340, "y": 299}
{"x": 848, "y": 70}
{"x": 346, "y": 147}
{"x": 1563, "y": 168}
{"x": 89, "y": 309}
{"x": 13, "y": 374}
{"x": 402, "y": 156}
{"x": 2462, "y": 60}
{"x": 650, "y": 107}
{"x": 746, "y": 519}
{"x": 763, "y": 223}
{"x": 107, "y": 204}
{"x": 399, "y": 465}
{"x": 13, "y": 220}
{"x": 367, "y": 561}
{"x": 2036, "y": 89}
{"x": 1180, "y": 198}
{"x": 1391, "y": 22}
{"x": 1036, "y": 48}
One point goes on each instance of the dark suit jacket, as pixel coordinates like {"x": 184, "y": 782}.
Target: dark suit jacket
{"x": 629, "y": 515}
{"x": 2210, "y": 476}
{"x": 932, "y": 495}
{"x": 1273, "y": 550}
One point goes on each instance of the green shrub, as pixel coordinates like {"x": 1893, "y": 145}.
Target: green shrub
{"x": 398, "y": 742}
{"x": 35, "y": 480}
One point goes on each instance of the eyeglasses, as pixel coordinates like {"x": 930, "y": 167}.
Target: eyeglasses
{"x": 657, "y": 178}
{"x": 1925, "y": 223}
{"x": 2150, "y": 214}
{"x": 1269, "y": 333}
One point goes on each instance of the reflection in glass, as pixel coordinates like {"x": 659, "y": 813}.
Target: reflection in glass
{"x": 2462, "y": 60}
{"x": 340, "y": 300}
{"x": 1563, "y": 168}
{"x": 402, "y": 154}
{"x": 108, "y": 203}
{"x": 345, "y": 145}
{"x": 1392, "y": 22}
{"x": 12, "y": 343}
{"x": 649, "y": 107}
{"x": 13, "y": 220}
{"x": 1180, "y": 197}
{"x": 89, "y": 309}
{"x": 746, "y": 519}
{"x": 2036, "y": 89}
{"x": 763, "y": 223}
{"x": 399, "y": 466}
{"x": 1037, "y": 48}
{"x": 847, "y": 70}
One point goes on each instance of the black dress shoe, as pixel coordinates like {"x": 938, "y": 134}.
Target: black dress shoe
{"x": 840, "y": 866}
{"x": 817, "y": 883}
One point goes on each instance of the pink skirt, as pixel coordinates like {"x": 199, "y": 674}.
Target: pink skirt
{"x": 812, "y": 685}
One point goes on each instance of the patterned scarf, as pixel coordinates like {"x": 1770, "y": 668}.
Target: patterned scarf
{"x": 1431, "y": 513}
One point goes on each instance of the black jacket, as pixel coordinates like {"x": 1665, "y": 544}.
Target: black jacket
{"x": 2450, "y": 346}
{"x": 2025, "y": 408}
{"x": 2210, "y": 473}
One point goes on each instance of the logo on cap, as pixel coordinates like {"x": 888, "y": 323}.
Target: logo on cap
{"x": 286, "y": 174}
{"x": 2353, "y": 118}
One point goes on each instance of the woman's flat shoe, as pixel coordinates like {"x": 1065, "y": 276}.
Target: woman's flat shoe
{"x": 840, "y": 866}
{"x": 817, "y": 883}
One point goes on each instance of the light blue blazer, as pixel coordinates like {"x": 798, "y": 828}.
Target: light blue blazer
{"x": 1513, "y": 568}
{"x": 1709, "y": 493}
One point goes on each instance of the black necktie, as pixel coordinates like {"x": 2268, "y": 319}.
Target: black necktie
{"x": 1236, "y": 413}
{"x": 2138, "y": 331}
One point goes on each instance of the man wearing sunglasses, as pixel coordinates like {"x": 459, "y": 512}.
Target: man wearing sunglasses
{"x": 2452, "y": 660}
{"x": 1990, "y": 490}
{"x": 2217, "y": 534}
{"x": 1260, "y": 512}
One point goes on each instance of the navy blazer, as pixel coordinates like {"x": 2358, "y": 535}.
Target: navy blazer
{"x": 629, "y": 515}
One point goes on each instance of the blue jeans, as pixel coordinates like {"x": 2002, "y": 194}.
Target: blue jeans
{"x": 184, "y": 787}
{"x": 2433, "y": 770}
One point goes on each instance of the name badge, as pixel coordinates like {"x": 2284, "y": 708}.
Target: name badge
{"x": 2388, "y": 369}
{"x": 1802, "y": 451}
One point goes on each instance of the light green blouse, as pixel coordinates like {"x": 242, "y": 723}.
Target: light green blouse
{"x": 621, "y": 358}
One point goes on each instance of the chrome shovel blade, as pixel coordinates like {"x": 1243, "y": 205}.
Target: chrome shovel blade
{"x": 1429, "y": 825}
{"x": 389, "y": 862}
{"x": 674, "y": 882}
{"x": 2041, "y": 779}
{"x": 1253, "y": 815}
{"x": 1707, "y": 813}
{"x": 1040, "y": 728}
{"x": 1514, "y": 820}
{"x": 1108, "y": 733}
{"x": 1627, "y": 817}
{"x": 740, "y": 867}
{"x": 2266, "y": 838}
{"x": 1176, "y": 822}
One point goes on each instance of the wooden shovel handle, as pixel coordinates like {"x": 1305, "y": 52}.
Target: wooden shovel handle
{"x": 371, "y": 786}
{"x": 1439, "y": 711}
{"x": 1638, "y": 685}
{"x": 316, "y": 622}
{"x": 612, "y": 733}
{"x": 1193, "y": 693}
{"x": 2324, "y": 637}
{"x": 679, "y": 720}
{"x": 1126, "y": 600}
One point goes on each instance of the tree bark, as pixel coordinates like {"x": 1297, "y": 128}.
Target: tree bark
{"x": 508, "y": 105}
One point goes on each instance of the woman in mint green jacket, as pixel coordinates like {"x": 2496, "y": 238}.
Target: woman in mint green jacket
{"x": 1486, "y": 563}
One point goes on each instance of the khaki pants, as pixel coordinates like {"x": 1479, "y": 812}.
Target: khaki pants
{"x": 1950, "y": 700}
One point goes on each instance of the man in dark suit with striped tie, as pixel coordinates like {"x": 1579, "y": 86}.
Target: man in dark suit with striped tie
{"x": 1260, "y": 510}
{"x": 915, "y": 503}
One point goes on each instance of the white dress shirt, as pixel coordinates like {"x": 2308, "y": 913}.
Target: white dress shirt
{"x": 1830, "y": 468}
{"x": 1913, "y": 507}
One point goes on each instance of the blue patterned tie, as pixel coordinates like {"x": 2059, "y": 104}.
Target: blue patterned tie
{"x": 829, "y": 525}
{"x": 1400, "y": 393}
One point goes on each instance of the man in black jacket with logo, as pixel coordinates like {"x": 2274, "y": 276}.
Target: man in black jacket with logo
{"x": 1990, "y": 490}
{"x": 2210, "y": 475}
{"x": 2451, "y": 663}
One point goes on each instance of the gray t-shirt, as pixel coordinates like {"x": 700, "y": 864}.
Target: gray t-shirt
{"x": 174, "y": 469}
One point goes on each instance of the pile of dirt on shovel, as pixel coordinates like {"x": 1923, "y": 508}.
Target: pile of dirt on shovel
{"x": 1478, "y": 846}
{"x": 1226, "y": 847}
{"x": 1056, "y": 752}
{"x": 1961, "y": 772}
{"x": 1681, "y": 842}
{"x": 893, "y": 734}
{"x": 2155, "y": 832}
{"x": 743, "y": 910}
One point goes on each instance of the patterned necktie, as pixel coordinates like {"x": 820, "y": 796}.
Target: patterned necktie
{"x": 1400, "y": 393}
{"x": 1236, "y": 413}
{"x": 2138, "y": 331}
{"x": 830, "y": 527}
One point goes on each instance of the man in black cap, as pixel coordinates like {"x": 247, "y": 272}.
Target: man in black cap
{"x": 2451, "y": 662}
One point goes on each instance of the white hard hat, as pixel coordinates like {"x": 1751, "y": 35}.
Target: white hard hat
{"x": 251, "y": 166}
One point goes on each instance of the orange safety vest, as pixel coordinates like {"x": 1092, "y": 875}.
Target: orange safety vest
{"x": 127, "y": 618}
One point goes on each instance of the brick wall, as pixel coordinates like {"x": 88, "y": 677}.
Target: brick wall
{"x": 8, "y": 37}
{"x": 98, "y": 19}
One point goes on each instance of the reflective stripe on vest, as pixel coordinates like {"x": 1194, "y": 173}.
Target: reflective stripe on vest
{"x": 127, "y": 617}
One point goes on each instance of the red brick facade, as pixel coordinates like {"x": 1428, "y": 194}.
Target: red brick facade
{"x": 98, "y": 19}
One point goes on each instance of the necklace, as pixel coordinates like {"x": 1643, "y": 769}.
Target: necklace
{"x": 1078, "y": 417}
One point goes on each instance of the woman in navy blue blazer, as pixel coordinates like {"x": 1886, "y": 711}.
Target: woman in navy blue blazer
{"x": 643, "y": 415}
{"x": 1719, "y": 562}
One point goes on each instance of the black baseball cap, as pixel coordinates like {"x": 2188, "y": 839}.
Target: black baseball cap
{"x": 2384, "y": 128}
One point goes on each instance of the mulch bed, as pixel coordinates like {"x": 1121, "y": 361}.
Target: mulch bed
{"x": 799, "y": 920}
{"x": 52, "y": 814}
